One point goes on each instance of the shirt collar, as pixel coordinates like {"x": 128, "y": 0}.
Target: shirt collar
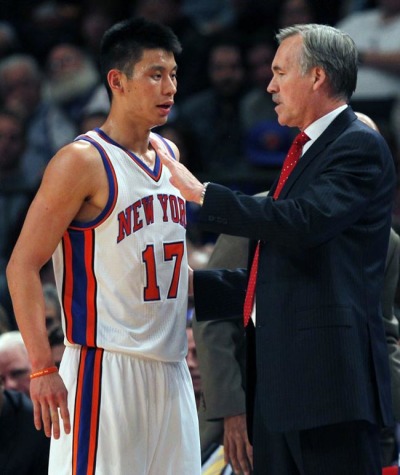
{"x": 319, "y": 126}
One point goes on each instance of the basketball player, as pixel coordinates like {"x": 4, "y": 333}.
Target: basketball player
{"x": 123, "y": 400}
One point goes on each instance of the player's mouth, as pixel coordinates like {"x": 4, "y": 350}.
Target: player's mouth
{"x": 166, "y": 107}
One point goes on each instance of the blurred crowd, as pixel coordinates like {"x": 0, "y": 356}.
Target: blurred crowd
{"x": 223, "y": 120}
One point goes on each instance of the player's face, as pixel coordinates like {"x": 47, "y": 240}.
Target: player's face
{"x": 152, "y": 86}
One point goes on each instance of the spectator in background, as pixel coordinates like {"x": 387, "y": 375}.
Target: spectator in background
{"x": 250, "y": 16}
{"x": 221, "y": 356}
{"x": 47, "y": 128}
{"x": 14, "y": 362}
{"x": 352, "y": 6}
{"x": 95, "y": 20}
{"x": 92, "y": 119}
{"x": 73, "y": 82}
{"x": 5, "y": 325}
{"x": 389, "y": 445}
{"x": 266, "y": 142}
{"x": 210, "y": 16}
{"x": 9, "y": 42}
{"x": 192, "y": 76}
{"x": 292, "y": 12}
{"x": 376, "y": 33}
{"x": 16, "y": 191}
{"x": 257, "y": 104}
{"x": 216, "y": 130}
{"x": 193, "y": 363}
{"x": 56, "y": 340}
{"x": 52, "y": 306}
{"x": 23, "y": 449}
{"x": 46, "y": 23}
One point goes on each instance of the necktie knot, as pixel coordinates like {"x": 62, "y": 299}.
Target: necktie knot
{"x": 301, "y": 139}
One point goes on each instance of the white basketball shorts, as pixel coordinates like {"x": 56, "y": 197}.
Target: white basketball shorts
{"x": 129, "y": 416}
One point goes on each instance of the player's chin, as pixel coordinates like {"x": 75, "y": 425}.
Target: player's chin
{"x": 160, "y": 121}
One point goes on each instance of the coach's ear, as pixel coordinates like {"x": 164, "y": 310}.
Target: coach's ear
{"x": 319, "y": 76}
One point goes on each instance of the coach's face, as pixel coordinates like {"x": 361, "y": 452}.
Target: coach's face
{"x": 291, "y": 90}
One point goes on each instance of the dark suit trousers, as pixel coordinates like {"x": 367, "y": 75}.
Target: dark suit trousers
{"x": 350, "y": 448}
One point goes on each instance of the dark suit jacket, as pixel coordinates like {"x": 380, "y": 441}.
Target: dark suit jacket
{"x": 319, "y": 345}
{"x": 221, "y": 355}
{"x": 23, "y": 449}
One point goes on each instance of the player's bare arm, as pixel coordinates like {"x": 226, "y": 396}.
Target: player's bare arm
{"x": 74, "y": 187}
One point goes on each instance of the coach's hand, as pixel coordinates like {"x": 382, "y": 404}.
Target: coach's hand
{"x": 189, "y": 186}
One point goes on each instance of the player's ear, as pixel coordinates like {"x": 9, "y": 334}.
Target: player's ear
{"x": 114, "y": 78}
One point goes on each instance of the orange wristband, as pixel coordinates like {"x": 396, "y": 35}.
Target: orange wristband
{"x": 43, "y": 372}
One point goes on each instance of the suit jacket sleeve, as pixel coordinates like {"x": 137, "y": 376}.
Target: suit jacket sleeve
{"x": 330, "y": 189}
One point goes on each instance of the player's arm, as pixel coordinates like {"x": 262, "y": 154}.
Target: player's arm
{"x": 68, "y": 190}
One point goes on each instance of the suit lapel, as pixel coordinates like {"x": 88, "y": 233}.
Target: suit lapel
{"x": 341, "y": 122}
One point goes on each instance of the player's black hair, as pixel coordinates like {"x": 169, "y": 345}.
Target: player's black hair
{"x": 123, "y": 44}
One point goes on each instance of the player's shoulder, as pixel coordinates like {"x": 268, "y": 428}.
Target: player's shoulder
{"x": 75, "y": 162}
{"x": 79, "y": 152}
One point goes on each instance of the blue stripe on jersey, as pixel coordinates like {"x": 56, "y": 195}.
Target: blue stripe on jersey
{"x": 79, "y": 289}
{"x": 88, "y": 413}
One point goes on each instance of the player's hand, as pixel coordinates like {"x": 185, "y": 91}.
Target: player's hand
{"x": 49, "y": 397}
{"x": 237, "y": 448}
{"x": 189, "y": 186}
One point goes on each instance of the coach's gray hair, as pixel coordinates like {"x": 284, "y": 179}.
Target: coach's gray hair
{"x": 332, "y": 50}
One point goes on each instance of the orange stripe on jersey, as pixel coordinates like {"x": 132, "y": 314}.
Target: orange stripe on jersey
{"x": 68, "y": 284}
{"x": 94, "y": 419}
{"x": 91, "y": 290}
{"x": 77, "y": 411}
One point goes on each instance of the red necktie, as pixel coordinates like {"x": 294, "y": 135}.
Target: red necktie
{"x": 290, "y": 162}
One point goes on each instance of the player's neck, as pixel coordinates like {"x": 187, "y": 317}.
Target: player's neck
{"x": 135, "y": 139}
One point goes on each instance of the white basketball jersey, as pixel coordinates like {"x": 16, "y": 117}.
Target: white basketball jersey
{"x": 123, "y": 278}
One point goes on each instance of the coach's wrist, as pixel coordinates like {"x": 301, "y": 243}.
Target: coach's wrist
{"x": 203, "y": 193}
